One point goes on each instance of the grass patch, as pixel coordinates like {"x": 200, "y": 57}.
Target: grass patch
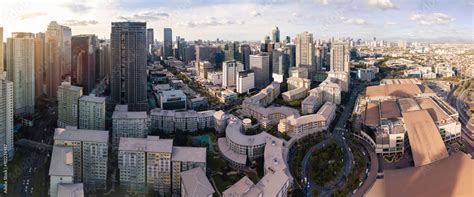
{"x": 299, "y": 149}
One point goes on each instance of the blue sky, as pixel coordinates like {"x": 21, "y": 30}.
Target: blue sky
{"x": 252, "y": 20}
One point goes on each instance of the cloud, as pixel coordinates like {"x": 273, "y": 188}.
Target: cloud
{"x": 255, "y": 13}
{"x": 32, "y": 15}
{"x": 324, "y": 2}
{"x": 148, "y": 16}
{"x": 354, "y": 21}
{"x": 432, "y": 19}
{"x": 390, "y": 23}
{"x": 212, "y": 22}
{"x": 78, "y": 7}
{"x": 79, "y": 22}
{"x": 382, "y": 4}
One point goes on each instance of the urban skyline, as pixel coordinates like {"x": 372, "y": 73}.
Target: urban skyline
{"x": 424, "y": 20}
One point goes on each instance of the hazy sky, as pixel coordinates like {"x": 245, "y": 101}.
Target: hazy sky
{"x": 250, "y": 20}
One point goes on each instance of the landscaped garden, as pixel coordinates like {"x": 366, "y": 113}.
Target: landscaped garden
{"x": 326, "y": 164}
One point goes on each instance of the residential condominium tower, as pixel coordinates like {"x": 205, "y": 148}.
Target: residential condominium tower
{"x": 68, "y": 98}
{"x": 90, "y": 151}
{"x": 128, "y": 124}
{"x": 92, "y": 112}
{"x": 305, "y": 52}
{"x": 129, "y": 55}
{"x": 21, "y": 71}
{"x": 83, "y": 71}
{"x": 6, "y": 118}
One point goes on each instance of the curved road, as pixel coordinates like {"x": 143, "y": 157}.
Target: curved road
{"x": 338, "y": 136}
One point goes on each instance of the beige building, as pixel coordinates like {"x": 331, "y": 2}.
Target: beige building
{"x": 21, "y": 66}
{"x": 183, "y": 159}
{"x": 128, "y": 124}
{"x": 68, "y": 98}
{"x": 305, "y": 52}
{"x": 312, "y": 123}
{"x": 92, "y": 112}
{"x": 90, "y": 151}
{"x": 187, "y": 121}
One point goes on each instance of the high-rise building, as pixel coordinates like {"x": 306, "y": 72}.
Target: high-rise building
{"x": 245, "y": 81}
{"x": 183, "y": 159}
{"x": 68, "y": 98}
{"x": 281, "y": 64}
{"x": 90, "y": 155}
{"x": 305, "y": 52}
{"x": 104, "y": 59}
{"x": 150, "y": 40}
{"x": 245, "y": 52}
{"x": 145, "y": 163}
{"x": 61, "y": 169}
{"x": 92, "y": 112}
{"x": 6, "y": 118}
{"x": 128, "y": 124}
{"x": 189, "y": 53}
{"x": 128, "y": 81}
{"x": 206, "y": 53}
{"x": 83, "y": 63}
{"x": 167, "y": 42}
{"x": 340, "y": 56}
{"x": 229, "y": 73}
{"x": 276, "y": 35}
{"x": 40, "y": 64}
{"x": 260, "y": 64}
{"x": 21, "y": 71}
{"x": 2, "y": 67}
{"x": 58, "y": 56}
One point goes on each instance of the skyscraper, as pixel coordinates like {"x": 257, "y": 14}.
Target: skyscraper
{"x": 21, "y": 71}
{"x": 104, "y": 59}
{"x": 2, "y": 67}
{"x": 245, "y": 55}
{"x": 281, "y": 64}
{"x": 167, "y": 42}
{"x": 229, "y": 73}
{"x": 40, "y": 64}
{"x": 6, "y": 117}
{"x": 305, "y": 52}
{"x": 276, "y": 35}
{"x": 150, "y": 39}
{"x": 206, "y": 53}
{"x": 128, "y": 81}
{"x": 58, "y": 56}
{"x": 340, "y": 56}
{"x": 68, "y": 98}
{"x": 260, "y": 64}
{"x": 84, "y": 61}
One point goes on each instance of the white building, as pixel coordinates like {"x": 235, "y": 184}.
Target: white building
{"x": 61, "y": 169}
{"x": 229, "y": 73}
{"x": 215, "y": 78}
{"x": 245, "y": 81}
{"x": 21, "y": 67}
{"x": 173, "y": 100}
{"x": 6, "y": 117}
{"x": 227, "y": 96}
{"x": 169, "y": 121}
{"x": 92, "y": 112}
{"x": 68, "y": 98}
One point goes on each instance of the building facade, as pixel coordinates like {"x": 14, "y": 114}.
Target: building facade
{"x": 260, "y": 64}
{"x": 129, "y": 57}
{"x": 68, "y": 103}
{"x": 92, "y": 112}
{"x": 305, "y": 52}
{"x": 83, "y": 61}
{"x": 128, "y": 124}
{"x": 6, "y": 118}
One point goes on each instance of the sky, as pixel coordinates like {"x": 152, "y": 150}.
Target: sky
{"x": 251, "y": 20}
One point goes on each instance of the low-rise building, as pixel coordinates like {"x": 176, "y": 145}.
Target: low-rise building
{"x": 309, "y": 123}
{"x": 92, "y": 112}
{"x": 183, "y": 159}
{"x": 173, "y": 100}
{"x": 188, "y": 121}
{"x": 227, "y": 96}
{"x": 61, "y": 169}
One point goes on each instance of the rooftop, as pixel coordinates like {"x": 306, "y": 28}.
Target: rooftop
{"x": 240, "y": 188}
{"x": 61, "y": 161}
{"x": 92, "y": 98}
{"x": 172, "y": 94}
{"x": 195, "y": 182}
{"x": 234, "y": 133}
{"x": 73, "y": 134}
{"x": 450, "y": 176}
{"x": 426, "y": 143}
{"x": 70, "y": 190}
{"x": 189, "y": 154}
{"x": 397, "y": 90}
{"x": 149, "y": 144}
